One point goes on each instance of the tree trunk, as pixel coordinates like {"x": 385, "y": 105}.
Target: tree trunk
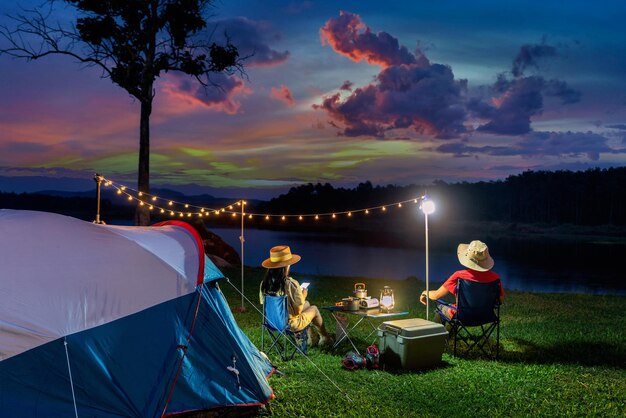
{"x": 142, "y": 214}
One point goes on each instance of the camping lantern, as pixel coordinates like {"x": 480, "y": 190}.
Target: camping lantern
{"x": 386, "y": 299}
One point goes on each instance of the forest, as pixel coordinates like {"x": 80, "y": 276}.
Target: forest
{"x": 591, "y": 197}
{"x": 586, "y": 198}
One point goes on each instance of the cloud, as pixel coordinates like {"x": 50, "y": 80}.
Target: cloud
{"x": 510, "y": 113}
{"x": 541, "y": 144}
{"x": 283, "y": 94}
{"x": 516, "y": 100}
{"x": 620, "y": 126}
{"x": 25, "y": 148}
{"x": 347, "y": 85}
{"x": 253, "y": 40}
{"x": 561, "y": 90}
{"x": 409, "y": 92}
{"x": 528, "y": 56}
{"x": 349, "y": 36}
{"x": 185, "y": 93}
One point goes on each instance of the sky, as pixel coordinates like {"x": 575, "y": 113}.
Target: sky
{"x": 401, "y": 92}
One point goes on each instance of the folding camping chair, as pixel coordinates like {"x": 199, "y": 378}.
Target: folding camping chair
{"x": 276, "y": 324}
{"x": 477, "y": 306}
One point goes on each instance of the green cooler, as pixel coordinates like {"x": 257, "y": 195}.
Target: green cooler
{"x": 411, "y": 343}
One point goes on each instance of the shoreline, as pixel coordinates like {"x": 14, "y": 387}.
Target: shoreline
{"x": 393, "y": 233}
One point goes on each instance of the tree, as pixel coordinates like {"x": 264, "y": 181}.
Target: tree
{"x": 132, "y": 42}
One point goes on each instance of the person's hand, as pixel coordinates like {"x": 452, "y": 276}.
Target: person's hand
{"x": 305, "y": 292}
{"x": 423, "y": 298}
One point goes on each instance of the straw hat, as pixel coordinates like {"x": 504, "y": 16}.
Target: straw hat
{"x": 280, "y": 256}
{"x": 475, "y": 256}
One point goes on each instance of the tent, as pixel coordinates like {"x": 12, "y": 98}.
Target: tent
{"x": 110, "y": 321}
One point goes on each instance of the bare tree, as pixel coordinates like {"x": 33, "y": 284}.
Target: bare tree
{"x": 132, "y": 42}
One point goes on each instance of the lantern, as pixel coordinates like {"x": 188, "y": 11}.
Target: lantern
{"x": 386, "y": 299}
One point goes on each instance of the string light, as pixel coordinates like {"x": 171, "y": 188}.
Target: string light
{"x": 144, "y": 198}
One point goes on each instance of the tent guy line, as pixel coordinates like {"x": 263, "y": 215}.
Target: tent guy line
{"x": 291, "y": 342}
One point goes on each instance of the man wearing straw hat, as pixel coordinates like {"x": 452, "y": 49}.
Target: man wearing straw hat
{"x": 277, "y": 281}
{"x": 475, "y": 256}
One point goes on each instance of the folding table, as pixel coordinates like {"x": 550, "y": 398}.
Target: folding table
{"x": 367, "y": 315}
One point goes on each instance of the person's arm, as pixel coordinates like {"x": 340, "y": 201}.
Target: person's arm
{"x": 261, "y": 295}
{"x": 297, "y": 295}
{"x": 434, "y": 294}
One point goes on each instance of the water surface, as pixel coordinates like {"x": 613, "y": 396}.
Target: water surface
{"x": 537, "y": 265}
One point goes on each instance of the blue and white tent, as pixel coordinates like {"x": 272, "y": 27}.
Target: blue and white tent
{"x": 110, "y": 321}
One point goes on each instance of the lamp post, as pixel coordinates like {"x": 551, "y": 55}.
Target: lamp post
{"x": 98, "y": 179}
{"x": 243, "y": 307}
{"x": 428, "y": 207}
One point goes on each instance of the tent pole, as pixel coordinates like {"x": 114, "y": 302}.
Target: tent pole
{"x": 69, "y": 370}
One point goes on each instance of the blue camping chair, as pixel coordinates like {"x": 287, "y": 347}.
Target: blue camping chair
{"x": 276, "y": 325}
{"x": 477, "y": 315}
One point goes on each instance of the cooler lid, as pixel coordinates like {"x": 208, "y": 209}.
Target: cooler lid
{"x": 413, "y": 327}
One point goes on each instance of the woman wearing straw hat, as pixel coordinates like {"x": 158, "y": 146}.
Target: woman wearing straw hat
{"x": 475, "y": 256}
{"x": 277, "y": 281}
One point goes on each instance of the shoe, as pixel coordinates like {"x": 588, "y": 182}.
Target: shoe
{"x": 312, "y": 337}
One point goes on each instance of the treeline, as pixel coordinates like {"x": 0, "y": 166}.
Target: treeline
{"x": 591, "y": 197}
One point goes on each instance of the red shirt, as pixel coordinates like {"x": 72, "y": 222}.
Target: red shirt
{"x": 473, "y": 275}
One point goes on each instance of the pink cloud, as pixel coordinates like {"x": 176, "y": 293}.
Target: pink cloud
{"x": 185, "y": 94}
{"x": 349, "y": 36}
{"x": 409, "y": 92}
{"x": 283, "y": 94}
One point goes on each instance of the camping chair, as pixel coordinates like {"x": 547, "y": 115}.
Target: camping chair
{"x": 477, "y": 306}
{"x": 276, "y": 324}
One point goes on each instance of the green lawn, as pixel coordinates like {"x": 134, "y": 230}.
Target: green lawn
{"x": 560, "y": 355}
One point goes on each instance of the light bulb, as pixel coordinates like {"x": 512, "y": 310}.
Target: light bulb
{"x": 428, "y": 206}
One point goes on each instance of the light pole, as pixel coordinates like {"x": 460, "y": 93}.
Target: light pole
{"x": 98, "y": 179}
{"x": 428, "y": 207}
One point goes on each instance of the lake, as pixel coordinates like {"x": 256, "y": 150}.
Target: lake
{"x": 536, "y": 265}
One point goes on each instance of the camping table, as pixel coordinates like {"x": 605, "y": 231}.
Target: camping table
{"x": 366, "y": 315}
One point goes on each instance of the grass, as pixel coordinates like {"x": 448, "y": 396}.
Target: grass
{"x": 560, "y": 355}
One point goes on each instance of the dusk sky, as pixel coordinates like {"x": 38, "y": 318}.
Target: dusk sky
{"x": 397, "y": 92}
